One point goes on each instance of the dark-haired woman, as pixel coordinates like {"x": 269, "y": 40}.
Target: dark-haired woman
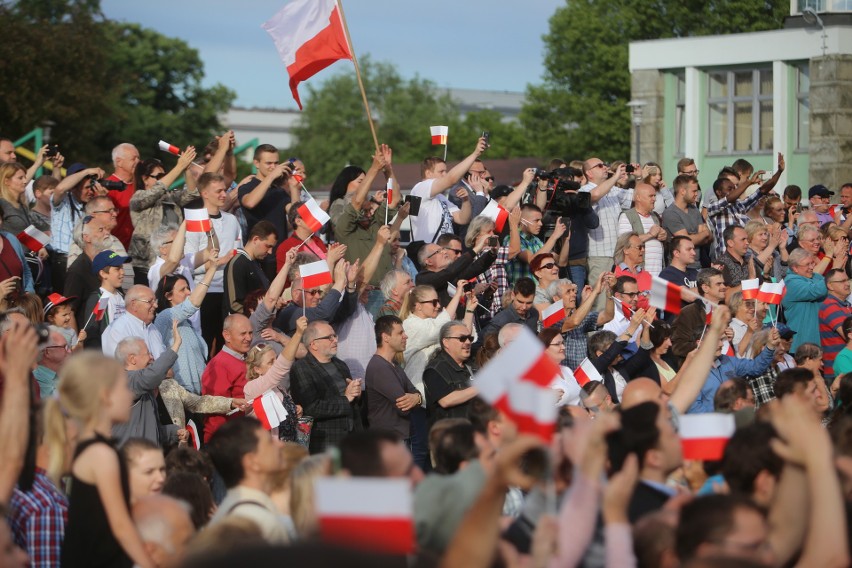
{"x": 175, "y": 301}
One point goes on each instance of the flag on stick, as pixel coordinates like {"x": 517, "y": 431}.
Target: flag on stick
{"x": 366, "y": 513}
{"x": 771, "y": 292}
{"x": 439, "y": 134}
{"x": 170, "y": 148}
{"x": 750, "y": 288}
{"x": 194, "y": 438}
{"x": 198, "y": 221}
{"x": 704, "y": 436}
{"x": 309, "y": 37}
{"x": 664, "y": 295}
{"x": 553, "y": 313}
{"x": 517, "y": 382}
{"x": 315, "y": 274}
{"x": 587, "y": 372}
{"x": 496, "y": 213}
{"x": 269, "y": 410}
{"x": 313, "y": 215}
{"x": 33, "y": 239}
{"x": 101, "y": 308}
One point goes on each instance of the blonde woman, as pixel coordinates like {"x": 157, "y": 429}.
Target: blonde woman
{"x": 768, "y": 248}
{"x": 16, "y": 212}
{"x": 302, "y": 507}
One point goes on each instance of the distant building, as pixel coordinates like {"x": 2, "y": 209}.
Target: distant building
{"x": 751, "y": 95}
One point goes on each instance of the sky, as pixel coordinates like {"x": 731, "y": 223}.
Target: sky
{"x": 472, "y": 44}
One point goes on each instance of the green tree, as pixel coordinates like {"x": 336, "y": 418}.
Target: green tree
{"x": 100, "y": 82}
{"x": 333, "y": 130}
{"x": 580, "y": 107}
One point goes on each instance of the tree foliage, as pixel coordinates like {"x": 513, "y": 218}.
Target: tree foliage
{"x": 333, "y": 130}
{"x": 580, "y": 108}
{"x": 100, "y": 82}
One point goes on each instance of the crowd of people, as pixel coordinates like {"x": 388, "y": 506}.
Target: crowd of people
{"x": 142, "y": 361}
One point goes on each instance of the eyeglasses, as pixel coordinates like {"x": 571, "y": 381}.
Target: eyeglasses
{"x": 110, "y": 211}
{"x": 601, "y": 165}
{"x": 313, "y": 292}
{"x": 434, "y": 253}
{"x": 629, "y": 294}
{"x": 457, "y": 251}
{"x": 462, "y": 338}
{"x": 259, "y": 346}
{"x": 640, "y": 247}
{"x": 166, "y": 243}
{"x": 547, "y": 266}
{"x": 65, "y": 347}
{"x": 479, "y": 173}
{"x": 332, "y": 337}
{"x": 844, "y": 281}
{"x": 435, "y": 303}
{"x": 88, "y": 219}
{"x": 151, "y": 301}
{"x": 489, "y": 178}
{"x": 695, "y": 173}
{"x": 558, "y": 344}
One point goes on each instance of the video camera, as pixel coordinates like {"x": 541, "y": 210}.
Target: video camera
{"x": 565, "y": 197}
{"x": 108, "y": 183}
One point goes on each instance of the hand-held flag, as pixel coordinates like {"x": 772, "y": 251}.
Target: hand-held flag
{"x": 771, "y": 292}
{"x": 704, "y": 436}
{"x": 553, "y": 314}
{"x": 315, "y": 274}
{"x": 198, "y": 221}
{"x": 587, "y": 372}
{"x": 33, "y": 239}
{"x": 750, "y": 288}
{"x": 194, "y": 438}
{"x": 269, "y": 410}
{"x": 439, "y": 134}
{"x": 313, "y": 215}
{"x": 664, "y": 295}
{"x": 170, "y": 148}
{"x": 496, "y": 213}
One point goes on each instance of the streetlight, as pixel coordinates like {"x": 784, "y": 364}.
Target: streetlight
{"x": 810, "y": 17}
{"x": 636, "y": 108}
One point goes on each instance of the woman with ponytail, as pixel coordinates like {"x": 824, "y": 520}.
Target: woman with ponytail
{"x": 92, "y": 392}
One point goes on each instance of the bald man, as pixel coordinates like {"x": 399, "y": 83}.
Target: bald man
{"x": 225, "y": 374}
{"x": 165, "y": 526}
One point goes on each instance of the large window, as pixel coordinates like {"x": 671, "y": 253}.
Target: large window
{"x": 803, "y": 106}
{"x": 739, "y": 111}
{"x": 680, "y": 114}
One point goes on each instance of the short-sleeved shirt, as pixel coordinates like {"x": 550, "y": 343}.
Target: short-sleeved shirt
{"x": 655, "y": 255}
{"x": 676, "y": 219}
{"x": 734, "y": 272}
{"x": 124, "y": 224}
{"x": 679, "y": 278}
{"x": 517, "y": 268}
{"x": 832, "y": 312}
{"x": 602, "y": 239}
{"x": 272, "y": 207}
{"x": 843, "y": 362}
{"x": 435, "y": 215}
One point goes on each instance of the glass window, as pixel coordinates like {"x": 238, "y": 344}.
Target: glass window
{"x": 740, "y": 111}
{"x": 803, "y": 107}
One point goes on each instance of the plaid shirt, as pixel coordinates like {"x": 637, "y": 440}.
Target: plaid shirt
{"x": 722, "y": 214}
{"x": 62, "y": 219}
{"x": 517, "y": 268}
{"x": 602, "y": 240}
{"x": 763, "y": 386}
{"x": 496, "y": 273}
{"x": 576, "y": 341}
{"x": 37, "y": 518}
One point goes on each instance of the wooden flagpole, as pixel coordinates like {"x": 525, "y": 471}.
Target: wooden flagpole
{"x": 358, "y": 74}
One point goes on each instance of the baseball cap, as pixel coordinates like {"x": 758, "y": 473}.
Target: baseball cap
{"x": 785, "y": 332}
{"x": 56, "y": 299}
{"x": 108, "y": 258}
{"x": 500, "y": 191}
{"x": 75, "y": 168}
{"x": 819, "y": 191}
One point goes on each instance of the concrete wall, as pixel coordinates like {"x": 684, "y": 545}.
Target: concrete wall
{"x": 831, "y": 120}
{"x": 648, "y": 85}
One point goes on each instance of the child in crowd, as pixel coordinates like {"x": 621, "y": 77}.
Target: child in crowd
{"x": 58, "y": 312}
{"x": 109, "y": 266}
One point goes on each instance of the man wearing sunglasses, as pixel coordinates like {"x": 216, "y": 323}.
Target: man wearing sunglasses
{"x": 447, "y": 378}
{"x": 446, "y": 263}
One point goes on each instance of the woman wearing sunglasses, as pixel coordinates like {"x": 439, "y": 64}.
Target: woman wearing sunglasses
{"x": 153, "y": 206}
{"x": 546, "y": 272}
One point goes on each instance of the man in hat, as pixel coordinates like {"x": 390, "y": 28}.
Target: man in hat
{"x": 820, "y": 199}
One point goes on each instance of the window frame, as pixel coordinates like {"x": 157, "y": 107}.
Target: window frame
{"x": 730, "y": 101}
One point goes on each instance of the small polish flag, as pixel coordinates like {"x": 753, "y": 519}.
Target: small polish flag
{"x": 553, "y": 313}
{"x": 517, "y": 382}
{"x": 171, "y": 149}
{"x": 198, "y": 221}
{"x": 33, "y": 239}
{"x": 708, "y": 314}
{"x": 100, "y": 308}
{"x": 496, "y": 213}
{"x": 315, "y": 274}
{"x": 439, "y": 134}
{"x": 313, "y": 215}
{"x": 750, "y": 288}
{"x": 704, "y": 436}
{"x": 664, "y": 295}
{"x": 269, "y": 410}
{"x": 194, "y": 438}
{"x": 367, "y": 513}
{"x": 728, "y": 349}
{"x": 587, "y": 372}
{"x": 389, "y": 192}
{"x": 771, "y": 292}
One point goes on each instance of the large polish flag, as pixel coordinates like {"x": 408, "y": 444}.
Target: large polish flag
{"x": 439, "y": 134}
{"x": 496, "y": 213}
{"x": 553, "y": 313}
{"x": 704, "y": 436}
{"x": 313, "y": 215}
{"x": 587, "y": 372}
{"x": 309, "y": 37}
{"x": 750, "y": 288}
{"x": 198, "y": 221}
{"x": 771, "y": 292}
{"x": 33, "y": 239}
{"x": 517, "y": 382}
{"x": 664, "y": 295}
{"x": 315, "y": 274}
{"x": 269, "y": 410}
{"x": 367, "y": 513}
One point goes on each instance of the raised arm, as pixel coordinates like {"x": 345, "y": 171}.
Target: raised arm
{"x": 371, "y": 263}
{"x": 693, "y": 378}
{"x": 452, "y": 177}
{"x": 360, "y": 195}
{"x": 251, "y": 199}
{"x": 604, "y": 188}
{"x": 276, "y": 287}
{"x": 72, "y": 181}
{"x": 197, "y": 295}
{"x": 514, "y": 198}
{"x": 183, "y": 162}
{"x": 224, "y": 145}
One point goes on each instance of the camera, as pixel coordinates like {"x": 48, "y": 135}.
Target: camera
{"x": 52, "y": 150}
{"x": 629, "y": 168}
{"x": 493, "y": 242}
{"x": 108, "y": 183}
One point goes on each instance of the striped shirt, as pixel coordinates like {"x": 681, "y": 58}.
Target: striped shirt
{"x": 62, "y": 219}
{"x": 832, "y": 312}
{"x": 602, "y": 240}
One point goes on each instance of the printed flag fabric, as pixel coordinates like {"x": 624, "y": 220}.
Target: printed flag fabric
{"x": 553, "y": 314}
{"x": 33, "y": 239}
{"x": 101, "y": 308}
{"x": 309, "y": 36}
{"x": 771, "y": 292}
{"x": 664, "y": 295}
{"x": 704, "y": 436}
{"x": 198, "y": 221}
{"x": 313, "y": 215}
{"x": 170, "y": 148}
{"x": 315, "y": 274}
{"x": 517, "y": 382}
{"x": 194, "y": 438}
{"x": 366, "y": 513}
{"x": 750, "y": 288}
{"x": 587, "y": 372}
{"x": 439, "y": 135}
{"x": 269, "y": 410}
{"x": 496, "y": 213}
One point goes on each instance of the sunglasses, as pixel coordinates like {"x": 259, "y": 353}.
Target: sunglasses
{"x": 547, "y": 266}
{"x": 462, "y": 338}
{"x": 310, "y": 292}
{"x": 158, "y": 176}
{"x": 435, "y": 303}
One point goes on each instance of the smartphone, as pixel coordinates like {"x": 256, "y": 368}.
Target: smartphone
{"x": 493, "y": 242}
{"x": 798, "y": 207}
{"x": 414, "y": 209}
{"x": 567, "y": 222}
{"x": 487, "y": 136}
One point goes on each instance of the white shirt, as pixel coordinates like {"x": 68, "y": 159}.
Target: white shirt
{"x": 569, "y": 387}
{"x": 115, "y": 304}
{"x": 654, "y": 251}
{"x": 129, "y": 325}
{"x": 602, "y": 240}
{"x": 227, "y": 231}
{"x": 425, "y": 226}
{"x": 619, "y": 325}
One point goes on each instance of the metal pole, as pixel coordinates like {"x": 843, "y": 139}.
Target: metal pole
{"x": 638, "y": 144}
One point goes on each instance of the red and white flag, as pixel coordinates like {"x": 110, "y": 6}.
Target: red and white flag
{"x": 771, "y": 292}
{"x": 439, "y": 134}
{"x": 664, "y": 295}
{"x": 496, "y": 213}
{"x": 553, "y": 314}
{"x": 708, "y": 313}
{"x": 309, "y": 36}
{"x": 750, "y": 288}
{"x": 33, "y": 239}
{"x": 315, "y": 274}
{"x": 269, "y": 410}
{"x": 198, "y": 221}
{"x": 367, "y": 513}
{"x": 517, "y": 382}
{"x": 100, "y": 308}
{"x": 704, "y": 436}
{"x": 728, "y": 349}
{"x": 587, "y": 372}
{"x": 170, "y": 148}
{"x": 313, "y": 215}
{"x": 389, "y": 192}
{"x": 194, "y": 438}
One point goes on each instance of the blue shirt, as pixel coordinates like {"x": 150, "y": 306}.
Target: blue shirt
{"x": 801, "y": 305}
{"x": 725, "y": 368}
